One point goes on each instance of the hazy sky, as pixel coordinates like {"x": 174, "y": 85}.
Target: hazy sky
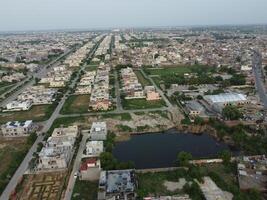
{"x": 60, "y": 14}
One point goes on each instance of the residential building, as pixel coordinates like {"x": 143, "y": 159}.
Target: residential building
{"x": 17, "y": 129}
{"x": 94, "y": 148}
{"x": 120, "y": 184}
{"x": 90, "y": 169}
{"x": 19, "y": 105}
{"x": 98, "y": 131}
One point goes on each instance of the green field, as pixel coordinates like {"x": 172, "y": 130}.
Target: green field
{"x": 142, "y": 79}
{"x": 179, "y": 70}
{"x": 76, "y": 104}
{"x": 91, "y": 68}
{"x": 85, "y": 190}
{"x": 36, "y": 113}
{"x": 131, "y": 104}
{"x": 12, "y": 152}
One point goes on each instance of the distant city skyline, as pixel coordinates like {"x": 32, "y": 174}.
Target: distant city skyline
{"x": 23, "y": 15}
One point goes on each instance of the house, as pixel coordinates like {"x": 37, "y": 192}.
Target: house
{"x": 98, "y": 131}
{"x": 17, "y": 129}
{"x": 119, "y": 184}
{"x": 195, "y": 109}
{"x": 58, "y": 150}
{"x": 94, "y": 148}
{"x": 151, "y": 93}
{"x": 18, "y": 105}
{"x": 90, "y": 169}
{"x": 50, "y": 158}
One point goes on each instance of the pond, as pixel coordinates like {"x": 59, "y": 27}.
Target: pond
{"x": 158, "y": 150}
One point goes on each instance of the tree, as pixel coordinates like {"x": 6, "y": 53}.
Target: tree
{"x": 199, "y": 121}
{"x": 108, "y": 162}
{"x": 225, "y": 155}
{"x": 184, "y": 158}
{"x": 231, "y": 112}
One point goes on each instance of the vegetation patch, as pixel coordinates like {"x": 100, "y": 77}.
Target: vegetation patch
{"x": 142, "y": 79}
{"x": 76, "y": 104}
{"x": 36, "y": 113}
{"x": 130, "y": 104}
{"x": 85, "y": 190}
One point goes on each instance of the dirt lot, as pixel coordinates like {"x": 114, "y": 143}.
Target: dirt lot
{"x": 36, "y": 113}
{"x": 45, "y": 186}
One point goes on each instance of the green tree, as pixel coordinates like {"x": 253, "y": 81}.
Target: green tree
{"x": 184, "y": 158}
{"x": 199, "y": 121}
{"x": 231, "y": 112}
{"x": 108, "y": 162}
{"x": 225, "y": 155}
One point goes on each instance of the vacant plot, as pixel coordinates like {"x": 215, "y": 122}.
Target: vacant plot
{"x": 76, "y": 104}
{"x": 131, "y": 104}
{"x": 142, "y": 79}
{"x": 36, "y": 113}
{"x": 168, "y": 70}
{"x": 85, "y": 190}
{"x": 46, "y": 186}
{"x": 154, "y": 183}
{"x": 12, "y": 152}
{"x": 90, "y": 68}
{"x": 179, "y": 70}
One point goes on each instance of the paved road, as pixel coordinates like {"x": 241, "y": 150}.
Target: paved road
{"x": 170, "y": 106}
{"x": 118, "y": 93}
{"x": 76, "y": 166}
{"x": 41, "y": 73}
{"x": 257, "y": 69}
{"x": 24, "y": 165}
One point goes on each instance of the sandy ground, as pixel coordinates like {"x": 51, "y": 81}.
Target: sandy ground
{"x": 173, "y": 186}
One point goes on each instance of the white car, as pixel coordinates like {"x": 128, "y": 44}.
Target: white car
{"x": 75, "y": 174}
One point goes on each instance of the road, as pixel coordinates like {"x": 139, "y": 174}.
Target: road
{"x": 47, "y": 125}
{"x": 75, "y": 168}
{"x": 41, "y": 73}
{"x": 259, "y": 84}
{"x": 118, "y": 93}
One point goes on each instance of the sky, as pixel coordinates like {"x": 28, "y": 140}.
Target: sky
{"x": 16, "y": 15}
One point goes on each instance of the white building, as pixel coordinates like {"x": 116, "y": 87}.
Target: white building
{"x": 219, "y": 101}
{"x": 98, "y": 131}
{"x": 17, "y": 129}
{"x": 94, "y": 148}
{"x": 19, "y": 105}
{"x": 58, "y": 150}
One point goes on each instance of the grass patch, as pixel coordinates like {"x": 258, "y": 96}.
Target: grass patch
{"x": 152, "y": 183}
{"x": 85, "y": 190}
{"x": 90, "y": 68}
{"x": 12, "y": 152}
{"x": 76, "y": 104}
{"x": 3, "y": 90}
{"x": 142, "y": 79}
{"x": 122, "y": 116}
{"x": 130, "y": 104}
{"x": 124, "y": 128}
{"x": 177, "y": 70}
{"x": 36, "y": 113}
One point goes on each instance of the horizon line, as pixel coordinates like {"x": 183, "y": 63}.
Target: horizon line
{"x": 127, "y": 27}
